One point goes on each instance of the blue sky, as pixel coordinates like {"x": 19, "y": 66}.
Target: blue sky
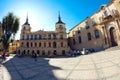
{"x": 43, "y": 14}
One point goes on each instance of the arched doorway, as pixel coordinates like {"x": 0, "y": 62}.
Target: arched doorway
{"x": 113, "y": 37}
{"x": 63, "y": 52}
{"x": 38, "y": 52}
{"x": 28, "y": 52}
{"x": 55, "y": 52}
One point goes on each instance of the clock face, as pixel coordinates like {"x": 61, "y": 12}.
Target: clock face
{"x": 60, "y": 27}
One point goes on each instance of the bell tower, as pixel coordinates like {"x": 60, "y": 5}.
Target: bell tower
{"x": 25, "y": 28}
{"x": 60, "y": 26}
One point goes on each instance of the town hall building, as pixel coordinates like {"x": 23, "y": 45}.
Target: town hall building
{"x": 44, "y": 42}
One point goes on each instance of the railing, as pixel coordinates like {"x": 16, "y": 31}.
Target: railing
{"x": 114, "y": 15}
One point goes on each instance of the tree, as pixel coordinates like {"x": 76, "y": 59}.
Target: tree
{"x": 10, "y": 26}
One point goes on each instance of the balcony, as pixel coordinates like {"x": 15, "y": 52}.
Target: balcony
{"x": 113, "y": 16}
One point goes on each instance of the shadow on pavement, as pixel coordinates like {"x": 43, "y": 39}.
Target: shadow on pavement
{"x": 26, "y": 68}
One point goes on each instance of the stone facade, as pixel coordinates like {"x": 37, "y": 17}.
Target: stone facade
{"x": 99, "y": 31}
{"x": 14, "y": 45}
{"x": 44, "y": 42}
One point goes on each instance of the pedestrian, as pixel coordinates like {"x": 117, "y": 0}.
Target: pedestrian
{"x": 3, "y": 55}
{"x": 35, "y": 56}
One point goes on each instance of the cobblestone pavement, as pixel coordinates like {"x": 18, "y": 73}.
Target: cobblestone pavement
{"x": 96, "y": 66}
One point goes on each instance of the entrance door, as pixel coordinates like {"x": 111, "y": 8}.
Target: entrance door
{"x": 113, "y": 37}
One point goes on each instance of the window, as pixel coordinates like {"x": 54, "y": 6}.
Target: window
{"x": 31, "y": 44}
{"x": 87, "y": 25}
{"x": 49, "y": 44}
{"x": 39, "y": 44}
{"x": 93, "y": 21}
{"x": 89, "y": 36}
{"x": 49, "y": 36}
{"x": 74, "y": 42}
{"x": 105, "y": 13}
{"x": 27, "y": 37}
{"x": 54, "y": 36}
{"x": 96, "y": 33}
{"x": 54, "y": 44}
{"x": 78, "y": 30}
{"x": 27, "y": 44}
{"x": 79, "y": 39}
{"x": 23, "y": 37}
{"x": 31, "y": 37}
{"x": 61, "y": 36}
{"x": 35, "y": 36}
{"x": 61, "y": 44}
{"x": 115, "y": 12}
{"x": 44, "y": 44}
{"x": 40, "y": 36}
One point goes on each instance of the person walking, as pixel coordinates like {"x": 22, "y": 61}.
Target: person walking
{"x": 35, "y": 56}
{"x": 3, "y": 55}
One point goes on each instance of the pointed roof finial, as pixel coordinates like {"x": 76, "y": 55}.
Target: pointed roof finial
{"x": 26, "y": 23}
{"x": 59, "y": 18}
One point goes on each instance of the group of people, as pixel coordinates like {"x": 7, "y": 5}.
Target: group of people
{"x": 33, "y": 55}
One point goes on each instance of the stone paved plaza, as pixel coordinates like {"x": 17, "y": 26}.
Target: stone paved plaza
{"x": 103, "y": 65}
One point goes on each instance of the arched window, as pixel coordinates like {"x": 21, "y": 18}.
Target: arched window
{"x": 54, "y": 45}
{"x": 27, "y": 44}
{"x": 96, "y": 32}
{"x": 89, "y": 36}
{"x": 61, "y": 44}
{"x": 79, "y": 39}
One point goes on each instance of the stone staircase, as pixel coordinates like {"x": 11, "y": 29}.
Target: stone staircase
{"x": 113, "y": 48}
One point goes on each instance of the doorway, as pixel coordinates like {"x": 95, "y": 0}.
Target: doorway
{"x": 113, "y": 37}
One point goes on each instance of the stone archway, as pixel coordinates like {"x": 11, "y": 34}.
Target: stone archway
{"x": 113, "y": 37}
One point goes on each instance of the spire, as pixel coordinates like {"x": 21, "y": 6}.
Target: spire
{"x": 59, "y": 19}
{"x": 26, "y": 23}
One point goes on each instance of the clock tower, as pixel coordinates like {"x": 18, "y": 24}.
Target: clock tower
{"x": 26, "y": 29}
{"x": 60, "y": 26}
